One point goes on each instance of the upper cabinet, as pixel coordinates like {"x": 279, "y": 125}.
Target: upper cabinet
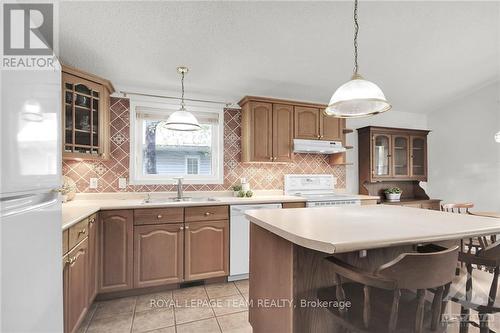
{"x": 268, "y": 127}
{"x": 392, "y": 154}
{"x": 85, "y": 116}
{"x": 314, "y": 124}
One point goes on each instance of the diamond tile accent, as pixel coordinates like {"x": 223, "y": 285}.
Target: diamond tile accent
{"x": 262, "y": 176}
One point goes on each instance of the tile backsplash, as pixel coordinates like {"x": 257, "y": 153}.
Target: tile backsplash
{"x": 262, "y": 176}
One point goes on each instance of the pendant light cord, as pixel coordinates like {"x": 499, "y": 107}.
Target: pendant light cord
{"x": 182, "y": 97}
{"x": 356, "y": 31}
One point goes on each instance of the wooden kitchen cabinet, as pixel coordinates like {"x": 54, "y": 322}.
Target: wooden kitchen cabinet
{"x": 158, "y": 254}
{"x": 93, "y": 257}
{"x": 314, "y": 124}
{"x": 76, "y": 286}
{"x": 282, "y": 133}
{"x": 85, "y": 115}
{"x": 206, "y": 250}
{"x": 116, "y": 247}
{"x": 391, "y": 154}
{"x": 307, "y": 123}
{"x": 257, "y": 132}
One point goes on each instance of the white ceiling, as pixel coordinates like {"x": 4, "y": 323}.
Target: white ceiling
{"x": 420, "y": 53}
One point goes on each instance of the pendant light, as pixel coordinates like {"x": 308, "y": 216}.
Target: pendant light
{"x": 182, "y": 120}
{"x": 357, "y": 97}
{"x": 497, "y": 137}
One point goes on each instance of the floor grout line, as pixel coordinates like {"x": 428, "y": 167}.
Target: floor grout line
{"x": 211, "y": 307}
{"x": 133, "y": 315}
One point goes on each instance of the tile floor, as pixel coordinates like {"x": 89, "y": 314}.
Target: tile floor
{"x": 211, "y": 308}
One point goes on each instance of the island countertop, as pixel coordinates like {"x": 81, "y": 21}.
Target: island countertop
{"x": 353, "y": 228}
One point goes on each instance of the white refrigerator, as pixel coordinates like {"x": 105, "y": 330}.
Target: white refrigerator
{"x": 30, "y": 211}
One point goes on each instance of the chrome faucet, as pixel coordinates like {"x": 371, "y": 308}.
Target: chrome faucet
{"x": 179, "y": 188}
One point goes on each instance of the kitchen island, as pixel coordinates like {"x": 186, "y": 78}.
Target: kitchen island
{"x": 288, "y": 250}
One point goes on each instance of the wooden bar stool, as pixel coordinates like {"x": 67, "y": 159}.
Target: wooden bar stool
{"x": 469, "y": 295}
{"x": 385, "y": 300}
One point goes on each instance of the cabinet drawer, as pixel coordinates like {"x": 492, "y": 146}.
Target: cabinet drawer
{"x": 78, "y": 232}
{"x": 207, "y": 213}
{"x": 65, "y": 241}
{"x": 431, "y": 205}
{"x": 412, "y": 205}
{"x": 158, "y": 216}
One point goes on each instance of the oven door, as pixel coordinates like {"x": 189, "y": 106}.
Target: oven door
{"x": 333, "y": 203}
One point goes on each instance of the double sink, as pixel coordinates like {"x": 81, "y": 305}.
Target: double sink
{"x": 183, "y": 199}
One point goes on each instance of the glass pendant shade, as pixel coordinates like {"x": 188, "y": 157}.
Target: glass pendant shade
{"x": 182, "y": 120}
{"x": 497, "y": 137}
{"x": 357, "y": 98}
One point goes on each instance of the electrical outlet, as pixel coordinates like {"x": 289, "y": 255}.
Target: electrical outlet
{"x": 122, "y": 182}
{"x": 93, "y": 183}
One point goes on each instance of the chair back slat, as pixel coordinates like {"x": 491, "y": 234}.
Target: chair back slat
{"x": 411, "y": 270}
{"x": 459, "y": 208}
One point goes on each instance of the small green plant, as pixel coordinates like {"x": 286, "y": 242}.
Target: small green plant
{"x": 393, "y": 190}
{"x": 249, "y": 194}
{"x": 237, "y": 188}
{"x": 241, "y": 194}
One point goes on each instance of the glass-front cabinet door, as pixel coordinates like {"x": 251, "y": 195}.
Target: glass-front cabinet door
{"x": 84, "y": 117}
{"x": 400, "y": 156}
{"x": 381, "y": 156}
{"x": 418, "y": 157}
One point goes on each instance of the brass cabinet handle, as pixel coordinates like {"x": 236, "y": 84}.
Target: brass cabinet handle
{"x": 270, "y": 158}
{"x": 275, "y": 158}
{"x": 71, "y": 260}
{"x": 159, "y": 216}
{"x": 207, "y": 214}
{"x": 187, "y": 227}
{"x": 92, "y": 220}
{"x": 321, "y": 136}
{"x": 181, "y": 228}
{"x": 83, "y": 231}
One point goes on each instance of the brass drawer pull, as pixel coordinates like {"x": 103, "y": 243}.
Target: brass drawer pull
{"x": 71, "y": 260}
{"x": 159, "y": 216}
{"x": 83, "y": 231}
{"x": 92, "y": 220}
{"x": 187, "y": 227}
{"x": 208, "y": 214}
{"x": 181, "y": 228}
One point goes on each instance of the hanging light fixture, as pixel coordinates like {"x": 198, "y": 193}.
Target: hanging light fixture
{"x": 358, "y": 97}
{"x": 497, "y": 137}
{"x": 182, "y": 120}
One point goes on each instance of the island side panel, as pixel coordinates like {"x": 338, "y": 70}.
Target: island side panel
{"x": 271, "y": 280}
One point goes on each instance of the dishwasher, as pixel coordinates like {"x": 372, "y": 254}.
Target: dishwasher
{"x": 239, "y": 240}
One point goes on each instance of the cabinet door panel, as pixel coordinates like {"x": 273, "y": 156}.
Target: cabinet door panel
{"x": 77, "y": 291}
{"x": 331, "y": 128}
{"x": 418, "y": 157}
{"x": 92, "y": 280}
{"x": 261, "y": 128}
{"x": 116, "y": 248}
{"x": 282, "y": 132}
{"x": 158, "y": 254}
{"x": 306, "y": 123}
{"x": 381, "y": 153}
{"x": 400, "y": 156}
{"x": 206, "y": 250}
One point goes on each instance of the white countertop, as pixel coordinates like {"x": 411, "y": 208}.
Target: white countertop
{"x": 76, "y": 210}
{"x": 88, "y": 204}
{"x": 354, "y": 228}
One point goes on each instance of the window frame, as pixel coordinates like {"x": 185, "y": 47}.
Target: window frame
{"x": 136, "y": 177}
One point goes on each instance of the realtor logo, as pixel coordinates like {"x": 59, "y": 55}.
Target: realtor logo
{"x": 28, "y": 29}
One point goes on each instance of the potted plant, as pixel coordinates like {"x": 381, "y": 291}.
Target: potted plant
{"x": 393, "y": 194}
{"x": 236, "y": 190}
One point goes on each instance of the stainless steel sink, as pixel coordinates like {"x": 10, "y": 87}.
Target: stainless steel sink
{"x": 173, "y": 199}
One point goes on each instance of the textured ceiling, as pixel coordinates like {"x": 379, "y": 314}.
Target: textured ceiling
{"x": 421, "y": 53}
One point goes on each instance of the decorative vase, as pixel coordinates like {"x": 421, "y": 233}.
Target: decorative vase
{"x": 393, "y": 196}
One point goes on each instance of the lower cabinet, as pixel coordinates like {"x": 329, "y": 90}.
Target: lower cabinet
{"x": 158, "y": 254}
{"x": 75, "y": 276}
{"x": 116, "y": 250}
{"x": 93, "y": 258}
{"x": 207, "y": 249}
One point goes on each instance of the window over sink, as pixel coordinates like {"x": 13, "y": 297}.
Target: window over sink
{"x": 158, "y": 154}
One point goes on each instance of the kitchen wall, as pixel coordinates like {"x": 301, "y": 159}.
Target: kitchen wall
{"x": 393, "y": 118}
{"x": 262, "y": 176}
{"x": 464, "y": 159}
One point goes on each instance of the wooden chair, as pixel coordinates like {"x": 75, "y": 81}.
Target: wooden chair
{"x": 385, "y": 300}
{"x": 469, "y": 291}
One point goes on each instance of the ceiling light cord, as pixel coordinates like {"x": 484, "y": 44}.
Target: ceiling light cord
{"x": 356, "y": 31}
{"x": 182, "y": 96}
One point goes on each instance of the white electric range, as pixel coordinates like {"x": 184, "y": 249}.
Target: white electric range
{"x": 318, "y": 190}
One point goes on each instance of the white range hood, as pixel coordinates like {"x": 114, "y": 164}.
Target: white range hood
{"x": 317, "y": 146}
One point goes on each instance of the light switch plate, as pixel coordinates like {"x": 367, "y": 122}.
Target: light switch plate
{"x": 93, "y": 183}
{"x": 122, "y": 182}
